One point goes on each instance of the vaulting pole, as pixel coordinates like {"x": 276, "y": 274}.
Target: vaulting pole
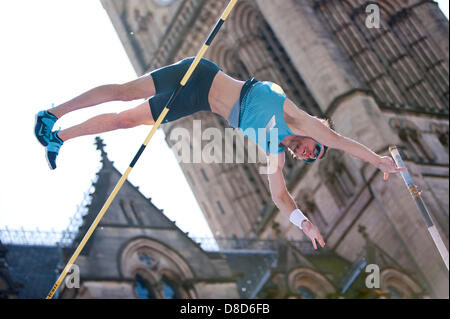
{"x": 415, "y": 193}
{"x": 122, "y": 180}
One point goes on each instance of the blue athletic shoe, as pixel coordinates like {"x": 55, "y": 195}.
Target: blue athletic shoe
{"x": 43, "y": 127}
{"x": 53, "y": 147}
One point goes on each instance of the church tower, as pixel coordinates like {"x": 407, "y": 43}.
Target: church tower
{"x": 382, "y": 84}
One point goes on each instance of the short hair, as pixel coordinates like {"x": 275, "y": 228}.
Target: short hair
{"x": 327, "y": 122}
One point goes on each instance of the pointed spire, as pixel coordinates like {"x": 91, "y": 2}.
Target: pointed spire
{"x": 101, "y": 147}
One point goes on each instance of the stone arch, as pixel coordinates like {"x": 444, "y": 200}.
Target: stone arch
{"x": 245, "y": 28}
{"x": 245, "y": 20}
{"x": 318, "y": 284}
{"x": 393, "y": 279}
{"x": 150, "y": 278}
{"x": 153, "y": 260}
{"x": 224, "y": 57}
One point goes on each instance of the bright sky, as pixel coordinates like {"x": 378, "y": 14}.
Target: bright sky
{"x": 53, "y": 50}
{"x": 444, "y": 6}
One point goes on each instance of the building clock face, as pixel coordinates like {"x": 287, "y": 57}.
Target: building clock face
{"x": 164, "y": 2}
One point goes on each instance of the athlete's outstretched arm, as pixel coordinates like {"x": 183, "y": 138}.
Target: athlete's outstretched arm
{"x": 283, "y": 200}
{"x": 301, "y": 123}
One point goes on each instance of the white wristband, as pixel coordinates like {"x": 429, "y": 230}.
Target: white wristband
{"x": 297, "y": 218}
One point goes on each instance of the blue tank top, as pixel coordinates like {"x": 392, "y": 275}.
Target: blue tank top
{"x": 261, "y": 116}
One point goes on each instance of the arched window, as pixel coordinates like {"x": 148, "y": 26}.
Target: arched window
{"x": 399, "y": 285}
{"x": 156, "y": 271}
{"x": 169, "y": 288}
{"x": 144, "y": 289}
{"x": 305, "y": 292}
{"x": 309, "y": 284}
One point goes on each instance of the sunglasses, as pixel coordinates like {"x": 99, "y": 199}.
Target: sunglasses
{"x": 317, "y": 151}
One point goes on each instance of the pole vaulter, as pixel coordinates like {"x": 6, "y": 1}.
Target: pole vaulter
{"x": 259, "y": 109}
{"x": 415, "y": 193}
{"x": 108, "y": 202}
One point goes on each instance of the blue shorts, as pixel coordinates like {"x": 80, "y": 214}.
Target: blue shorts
{"x": 193, "y": 97}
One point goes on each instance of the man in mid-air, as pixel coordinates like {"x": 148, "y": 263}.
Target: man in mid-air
{"x": 249, "y": 105}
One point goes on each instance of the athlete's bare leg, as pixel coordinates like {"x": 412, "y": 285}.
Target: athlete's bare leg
{"x": 141, "y": 88}
{"x": 109, "y": 122}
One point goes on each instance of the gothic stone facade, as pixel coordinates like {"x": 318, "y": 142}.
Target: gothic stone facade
{"x": 136, "y": 252}
{"x": 380, "y": 86}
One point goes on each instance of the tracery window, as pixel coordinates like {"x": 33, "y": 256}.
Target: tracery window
{"x": 144, "y": 289}
{"x": 398, "y": 61}
{"x": 169, "y": 288}
{"x": 157, "y": 271}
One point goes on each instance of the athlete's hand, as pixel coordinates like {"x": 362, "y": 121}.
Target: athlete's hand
{"x": 313, "y": 233}
{"x": 388, "y": 166}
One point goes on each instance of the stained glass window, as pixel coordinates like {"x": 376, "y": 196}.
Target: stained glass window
{"x": 143, "y": 288}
